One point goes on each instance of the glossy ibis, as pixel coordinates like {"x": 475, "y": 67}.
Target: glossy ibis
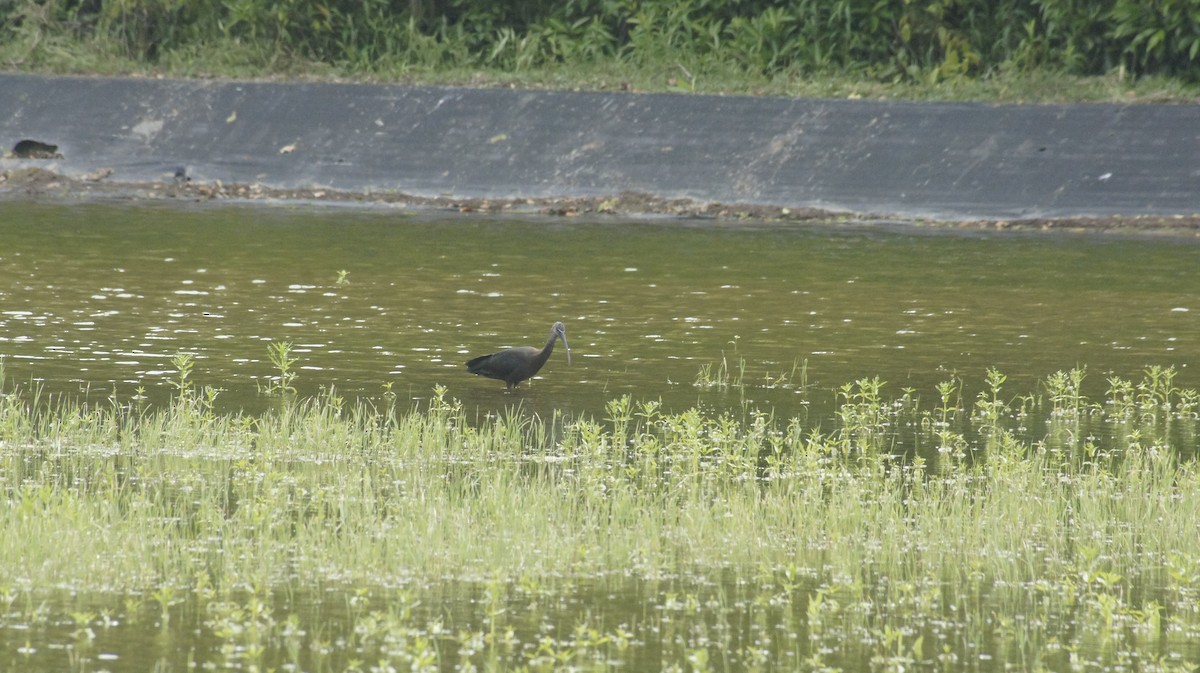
{"x": 514, "y": 365}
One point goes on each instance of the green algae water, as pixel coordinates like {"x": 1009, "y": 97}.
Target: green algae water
{"x": 95, "y": 300}
{"x": 776, "y": 448}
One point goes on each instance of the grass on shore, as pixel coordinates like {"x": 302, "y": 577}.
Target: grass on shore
{"x": 676, "y": 73}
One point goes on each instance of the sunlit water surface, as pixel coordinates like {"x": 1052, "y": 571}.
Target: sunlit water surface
{"x": 96, "y": 300}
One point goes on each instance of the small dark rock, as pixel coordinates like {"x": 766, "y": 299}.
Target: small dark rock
{"x": 34, "y": 149}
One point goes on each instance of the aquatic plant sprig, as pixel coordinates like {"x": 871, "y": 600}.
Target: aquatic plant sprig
{"x": 989, "y": 406}
{"x": 722, "y": 375}
{"x": 183, "y": 364}
{"x": 951, "y": 400}
{"x": 1064, "y": 391}
{"x": 1153, "y": 396}
{"x": 865, "y": 418}
{"x": 719, "y": 376}
{"x": 280, "y": 354}
{"x": 190, "y": 402}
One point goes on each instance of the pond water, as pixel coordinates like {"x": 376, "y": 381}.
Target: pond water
{"x": 96, "y": 299}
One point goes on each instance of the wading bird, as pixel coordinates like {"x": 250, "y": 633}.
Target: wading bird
{"x": 514, "y": 365}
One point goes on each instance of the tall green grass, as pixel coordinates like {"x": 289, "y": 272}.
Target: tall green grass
{"x": 698, "y": 45}
{"x": 1040, "y": 507}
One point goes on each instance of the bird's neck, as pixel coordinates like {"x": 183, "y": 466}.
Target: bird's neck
{"x": 547, "y": 349}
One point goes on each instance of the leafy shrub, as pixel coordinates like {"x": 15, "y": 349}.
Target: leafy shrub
{"x": 1158, "y": 35}
{"x": 889, "y": 39}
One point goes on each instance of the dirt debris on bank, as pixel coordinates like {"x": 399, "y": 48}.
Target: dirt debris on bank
{"x": 40, "y": 184}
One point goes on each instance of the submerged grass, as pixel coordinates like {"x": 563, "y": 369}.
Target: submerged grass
{"x": 892, "y": 534}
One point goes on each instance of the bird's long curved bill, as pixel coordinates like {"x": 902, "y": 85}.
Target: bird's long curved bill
{"x": 563, "y": 336}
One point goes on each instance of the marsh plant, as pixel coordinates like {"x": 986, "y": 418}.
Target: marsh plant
{"x": 328, "y": 534}
{"x": 280, "y": 354}
{"x": 724, "y": 375}
{"x": 183, "y": 364}
{"x": 720, "y": 376}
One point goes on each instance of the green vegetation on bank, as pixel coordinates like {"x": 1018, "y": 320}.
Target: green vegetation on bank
{"x": 1042, "y": 529}
{"x": 1014, "y": 49}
